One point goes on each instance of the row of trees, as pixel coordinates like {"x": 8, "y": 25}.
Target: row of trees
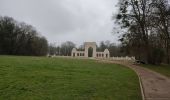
{"x": 145, "y": 25}
{"x": 66, "y": 48}
{"x": 115, "y": 50}
{"x": 63, "y": 50}
{"x": 20, "y": 39}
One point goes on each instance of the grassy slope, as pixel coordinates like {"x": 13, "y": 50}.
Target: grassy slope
{"x": 162, "y": 69}
{"x": 35, "y": 78}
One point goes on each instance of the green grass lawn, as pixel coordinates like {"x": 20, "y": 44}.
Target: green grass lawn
{"x": 162, "y": 69}
{"x": 41, "y": 78}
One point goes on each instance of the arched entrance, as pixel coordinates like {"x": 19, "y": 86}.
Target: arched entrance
{"x": 106, "y": 55}
{"x": 90, "y": 52}
{"x": 90, "y": 49}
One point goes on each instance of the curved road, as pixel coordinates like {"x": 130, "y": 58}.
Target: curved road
{"x": 154, "y": 85}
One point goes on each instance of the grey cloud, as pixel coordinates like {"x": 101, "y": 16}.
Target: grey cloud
{"x": 62, "y": 20}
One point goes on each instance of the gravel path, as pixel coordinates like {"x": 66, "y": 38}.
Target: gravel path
{"x": 154, "y": 85}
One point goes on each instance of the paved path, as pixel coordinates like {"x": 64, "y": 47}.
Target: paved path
{"x": 154, "y": 85}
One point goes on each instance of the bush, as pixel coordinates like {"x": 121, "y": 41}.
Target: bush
{"x": 157, "y": 56}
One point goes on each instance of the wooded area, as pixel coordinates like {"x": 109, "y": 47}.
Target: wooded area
{"x": 20, "y": 39}
{"x": 146, "y": 29}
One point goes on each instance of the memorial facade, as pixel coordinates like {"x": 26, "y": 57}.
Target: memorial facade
{"x": 90, "y": 51}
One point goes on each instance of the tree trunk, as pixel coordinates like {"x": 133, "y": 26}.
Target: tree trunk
{"x": 167, "y": 52}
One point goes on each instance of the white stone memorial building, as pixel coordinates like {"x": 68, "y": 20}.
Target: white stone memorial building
{"x": 93, "y": 53}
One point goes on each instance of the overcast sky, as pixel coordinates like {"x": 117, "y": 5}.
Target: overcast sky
{"x": 65, "y": 20}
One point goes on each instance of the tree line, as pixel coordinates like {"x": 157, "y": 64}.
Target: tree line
{"x": 145, "y": 25}
{"x": 63, "y": 50}
{"x": 66, "y": 47}
{"x": 18, "y": 38}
